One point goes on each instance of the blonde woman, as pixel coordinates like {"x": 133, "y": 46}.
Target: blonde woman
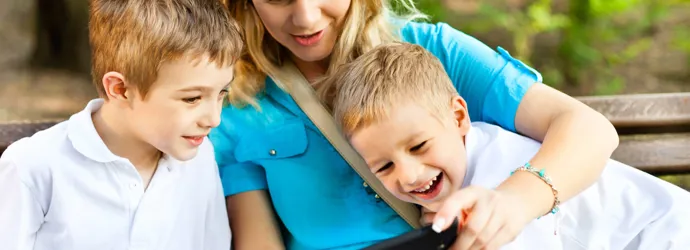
{"x": 287, "y": 187}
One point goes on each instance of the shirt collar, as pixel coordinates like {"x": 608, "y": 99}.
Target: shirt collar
{"x": 472, "y": 144}
{"x": 84, "y": 137}
{"x": 86, "y": 140}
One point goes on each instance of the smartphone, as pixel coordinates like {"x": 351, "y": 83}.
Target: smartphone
{"x": 420, "y": 239}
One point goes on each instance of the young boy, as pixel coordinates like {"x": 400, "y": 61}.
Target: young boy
{"x": 400, "y": 111}
{"x": 134, "y": 169}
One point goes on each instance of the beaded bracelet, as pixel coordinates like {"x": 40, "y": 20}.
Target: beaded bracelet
{"x": 540, "y": 173}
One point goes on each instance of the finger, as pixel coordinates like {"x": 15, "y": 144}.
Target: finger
{"x": 427, "y": 218}
{"x": 476, "y": 222}
{"x": 463, "y": 199}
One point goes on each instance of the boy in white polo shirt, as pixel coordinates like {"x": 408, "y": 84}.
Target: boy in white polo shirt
{"x": 400, "y": 111}
{"x": 134, "y": 169}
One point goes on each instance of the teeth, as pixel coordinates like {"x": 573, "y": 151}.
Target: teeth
{"x": 425, "y": 188}
{"x": 434, "y": 178}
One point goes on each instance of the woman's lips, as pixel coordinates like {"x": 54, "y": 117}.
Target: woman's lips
{"x": 309, "y": 40}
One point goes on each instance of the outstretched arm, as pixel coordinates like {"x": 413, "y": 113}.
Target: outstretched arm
{"x": 577, "y": 142}
{"x": 567, "y": 156}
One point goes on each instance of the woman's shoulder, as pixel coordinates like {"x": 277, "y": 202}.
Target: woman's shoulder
{"x": 419, "y": 32}
{"x": 444, "y": 41}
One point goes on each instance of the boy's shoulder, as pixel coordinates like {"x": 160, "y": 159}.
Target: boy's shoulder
{"x": 493, "y": 152}
{"x": 498, "y": 134}
{"x": 35, "y": 154}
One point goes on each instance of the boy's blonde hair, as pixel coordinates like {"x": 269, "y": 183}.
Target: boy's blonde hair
{"x": 134, "y": 37}
{"x": 364, "y": 91}
{"x": 368, "y": 23}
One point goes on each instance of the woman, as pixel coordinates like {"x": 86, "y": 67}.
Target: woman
{"x": 274, "y": 157}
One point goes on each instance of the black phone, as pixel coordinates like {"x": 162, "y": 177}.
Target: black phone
{"x": 420, "y": 239}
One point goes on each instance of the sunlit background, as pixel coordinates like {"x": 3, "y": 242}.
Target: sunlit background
{"x": 582, "y": 47}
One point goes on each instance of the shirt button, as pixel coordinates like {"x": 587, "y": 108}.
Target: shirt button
{"x": 272, "y": 152}
{"x": 365, "y": 184}
{"x": 133, "y": 185}
{"x": 377, "y": 196}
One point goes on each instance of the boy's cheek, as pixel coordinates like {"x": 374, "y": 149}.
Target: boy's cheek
{"x": 390, "y": 185}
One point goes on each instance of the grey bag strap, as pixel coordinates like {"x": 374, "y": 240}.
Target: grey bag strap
{"x": 305, "y": 96}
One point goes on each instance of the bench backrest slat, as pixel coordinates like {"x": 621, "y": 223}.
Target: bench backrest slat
{"x": 643, "y": 110}
{"x": 656, "y": 153}
{"x": 11, "y": 132}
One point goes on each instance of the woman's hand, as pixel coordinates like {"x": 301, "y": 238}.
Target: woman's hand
{"x": 488, "y": 218}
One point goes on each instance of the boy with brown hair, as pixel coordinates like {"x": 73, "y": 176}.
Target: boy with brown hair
{"x": 400, "y": 111}
{"x": 134, "y": 169}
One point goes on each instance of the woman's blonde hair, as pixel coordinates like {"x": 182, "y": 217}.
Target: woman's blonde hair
{"x": 368, "y": 23}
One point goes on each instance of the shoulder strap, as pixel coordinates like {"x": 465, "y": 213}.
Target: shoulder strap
{"x": 305, "y": 96}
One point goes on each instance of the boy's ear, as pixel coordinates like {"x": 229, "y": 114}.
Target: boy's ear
{"x": 117, "y": 88}
{"x": 462, "y": 118}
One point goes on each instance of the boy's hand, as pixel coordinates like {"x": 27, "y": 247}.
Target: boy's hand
{"x": 493, "y": 219}
{"x": 427, "y": 217}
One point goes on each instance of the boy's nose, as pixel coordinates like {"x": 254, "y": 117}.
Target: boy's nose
{"x": 306, "y": 14}
{"x": 211, "y": 118}
{"x": 409, "y": 174}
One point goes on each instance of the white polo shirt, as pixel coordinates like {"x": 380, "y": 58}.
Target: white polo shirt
{"x": 63, "y": 189}
{"x": 625, "y": 209}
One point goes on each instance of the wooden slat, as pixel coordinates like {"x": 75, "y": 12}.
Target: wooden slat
{"x": 11, "y": 132}
{"x": 643, "y": 110}
{"x": 656, "y": 153}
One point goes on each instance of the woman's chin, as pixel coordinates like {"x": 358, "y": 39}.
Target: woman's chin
{"x": 311, "y": 54}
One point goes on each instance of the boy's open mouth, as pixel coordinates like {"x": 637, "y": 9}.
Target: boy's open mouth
{"x": 431, "y": 190}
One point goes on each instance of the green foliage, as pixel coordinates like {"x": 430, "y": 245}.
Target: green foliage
{"x": 523, "y": 25}
{"x": 681, "y": 41}
{"x": 682, "y": 181}
{"x": 432, "y": 8}
{"x": 595, "y": 35}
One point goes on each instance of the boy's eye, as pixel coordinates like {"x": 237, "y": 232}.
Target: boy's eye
{"x": 192, "y": 100}
{"x": 278, "y": 1}
{"x": 385, "y": 167}
{"x": 418, "y": 147}
{"x": 223, "y": 93}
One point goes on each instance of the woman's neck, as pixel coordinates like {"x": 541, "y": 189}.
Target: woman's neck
{"x": 120, "y": 141}
{"x": 311, "y": 70}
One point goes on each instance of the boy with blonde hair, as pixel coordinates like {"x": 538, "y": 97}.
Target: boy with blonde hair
{"x": 134, "y": 169}
{"x": 400, "y": 111}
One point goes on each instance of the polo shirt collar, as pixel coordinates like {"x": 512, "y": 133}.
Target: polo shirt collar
{"x": 84, "y": 137}
{"x": 86, "y": 140}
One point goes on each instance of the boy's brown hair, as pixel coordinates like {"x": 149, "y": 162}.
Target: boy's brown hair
{"x": 134, "y": 37}
{"x": 365, "y": 90}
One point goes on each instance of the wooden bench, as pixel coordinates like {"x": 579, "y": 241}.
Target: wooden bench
{"x": 654, "y": 130}
{"x": 13, "y": 131}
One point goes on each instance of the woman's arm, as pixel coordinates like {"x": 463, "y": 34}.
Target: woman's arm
{"x": 253, "y": 221}
{"x": 577, "y": 142}
{"x": 568, "y": 155}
